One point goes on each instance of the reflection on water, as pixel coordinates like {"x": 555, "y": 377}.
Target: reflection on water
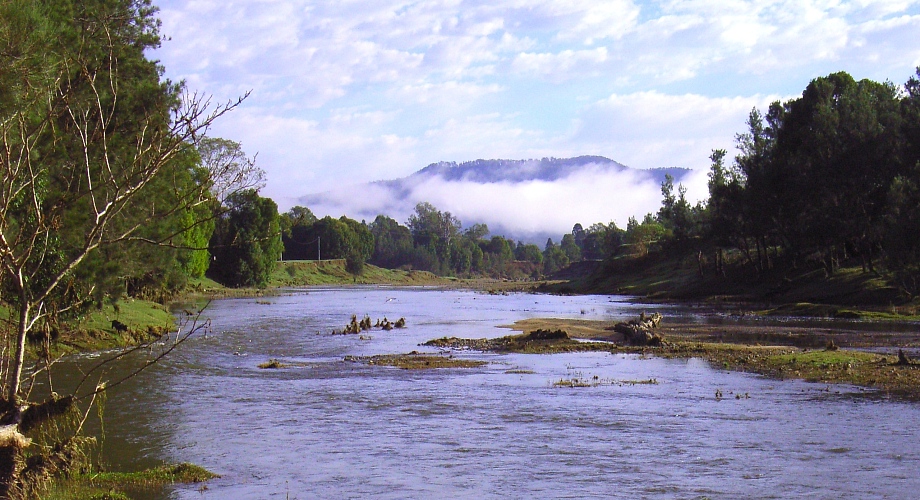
{"x": 335, "y": 429}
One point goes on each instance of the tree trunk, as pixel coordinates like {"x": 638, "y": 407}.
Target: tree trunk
{"x": 12, "y": 392}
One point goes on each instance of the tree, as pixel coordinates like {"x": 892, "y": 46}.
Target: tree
{"x": 231, "y": 170}
{"x": 296, "y": 226}
{"x": 247, "y": 242}
{"x": 676, "y": 214}
{"x": 476, "y": 232}
{"x": 579, "y": 233}
{"x": 554, "y": 258}
{"x": 392, "y": 243}
{"x": 434, "y": 230}
{"x": 354, "y": 263}
{"x": 641, "y": 236}
{"x": 300, "y": 216}
{"x": 528, "y": 253}
{"x": 601, "y": 240}
{"x": 499, "y": 254}
{"x": 570, "y": 248}
{"x": 92, "y": 144}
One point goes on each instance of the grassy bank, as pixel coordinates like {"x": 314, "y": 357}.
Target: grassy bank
{"x": 850, "y": 292}
{"x": 138, "y": 321}
{"x": 332, "y": 272}
{"x": 125, "y": 485}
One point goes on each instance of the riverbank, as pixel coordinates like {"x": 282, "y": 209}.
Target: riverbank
{"x": 783, "y": 353}
{"x": 851, "y": 291}
{"x": 99, "y": 485}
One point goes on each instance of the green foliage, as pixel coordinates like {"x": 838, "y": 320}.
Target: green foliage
{"x": 247, "y": 240}
{"x": 200, "y": 224}
{"x": 392, "y": 243}
{"x": 528, "y": 253}
{"x": 328, "y": 238}
{"x": 676, "y": 214}
{"x": 571, "y": 249}
{"x": 601, "y": 240}
{"x": 72, "y": 71}
{"x": 641, "y": 236}
{"x": 354, "y": 263}
{"x": 554, "y": 258}
{"x": 814, "y": 174}
{"x": 829, "y": 176}
{"x": 434, "y": 230}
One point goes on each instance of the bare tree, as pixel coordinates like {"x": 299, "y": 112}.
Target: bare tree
{"x": 229, "y": 169}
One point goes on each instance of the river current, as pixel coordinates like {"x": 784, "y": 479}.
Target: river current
{"x": 327, "y": 428}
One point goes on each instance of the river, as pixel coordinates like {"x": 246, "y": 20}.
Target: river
{"x": 333, "y": 429}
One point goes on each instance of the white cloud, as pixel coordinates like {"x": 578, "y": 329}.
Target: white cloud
{"x": 523, "y": 210}
{"x": 651, "y": 129}
{"x": 347, "y": 91}
{"x": 560, "y": 66}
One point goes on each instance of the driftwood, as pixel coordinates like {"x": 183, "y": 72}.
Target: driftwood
{"x": 356, "y": 326}
{"x": 639, "y": 332}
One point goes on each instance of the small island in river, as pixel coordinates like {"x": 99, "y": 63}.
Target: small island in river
{"x": 783, "y": 353}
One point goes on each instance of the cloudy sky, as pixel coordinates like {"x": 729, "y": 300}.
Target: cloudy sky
{"x": 345, "y": 92}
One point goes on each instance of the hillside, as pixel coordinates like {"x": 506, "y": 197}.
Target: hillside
{"x": 806, "y": 291}
{"x": 332, "y": 272}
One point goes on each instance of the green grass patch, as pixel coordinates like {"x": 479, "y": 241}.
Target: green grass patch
{"x": 138, "y": 315}
{"x": 157, "y": 476}
{"x": 138, "y": 321}
{"x": 415, "y": 361}
{"x": 332, "y": 272}
{"x": 114, "y": 485}
{"x": 824, "y": 359}
{"x": 892, "y": 313}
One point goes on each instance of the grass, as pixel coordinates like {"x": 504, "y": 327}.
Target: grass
{"x": 596, "y": 381}
{"x": 332, "y": 272}
{"x": 144, "y": 320}
{"x": 272, "y": 364}
{"x": 830, "y": 311}
{"x": 415, "y": 361}
{"x": 113, "y": 485}
{"x": 523, "y": 344}
{"x": 676, "y": 275}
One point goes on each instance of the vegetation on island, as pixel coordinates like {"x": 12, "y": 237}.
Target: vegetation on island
{"x": 789, "y": 356}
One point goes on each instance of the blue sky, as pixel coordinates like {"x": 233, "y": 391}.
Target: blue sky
{"x": 345, "y": 92}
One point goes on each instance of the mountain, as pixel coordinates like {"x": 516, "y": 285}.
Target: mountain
{"x": 511, "y": 196}
{"x": 514, "y": 171}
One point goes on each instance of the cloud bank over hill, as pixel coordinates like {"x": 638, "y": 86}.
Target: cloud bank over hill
{"x": 527, "y": 200}
{"x": 348, "y": 92}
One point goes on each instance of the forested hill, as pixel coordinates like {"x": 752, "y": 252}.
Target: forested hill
{"x": 546, "y": 169}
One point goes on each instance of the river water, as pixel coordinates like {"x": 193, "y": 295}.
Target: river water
{"x": 333, "y": 429}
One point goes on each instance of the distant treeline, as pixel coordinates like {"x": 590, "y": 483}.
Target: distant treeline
{"x": 436, "y": 241}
